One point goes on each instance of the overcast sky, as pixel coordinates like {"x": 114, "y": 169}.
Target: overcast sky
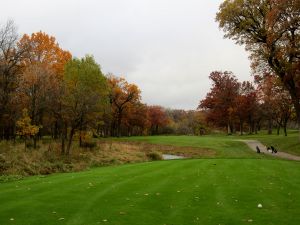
{"x": 167, "y": 47}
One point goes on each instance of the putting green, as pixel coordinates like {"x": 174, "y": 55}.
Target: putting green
{"x": 200, "y": 191}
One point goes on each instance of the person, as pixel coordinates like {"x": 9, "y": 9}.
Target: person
{"x": 273, "y": 149}
{"x": 269, "y": 149}
{"x": 257, "y": 149}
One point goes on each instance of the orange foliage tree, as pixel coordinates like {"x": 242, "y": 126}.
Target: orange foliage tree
{"x": 44, "y": 67}
{"x": 43, "y": 48}
{"x": 123, "y": 96}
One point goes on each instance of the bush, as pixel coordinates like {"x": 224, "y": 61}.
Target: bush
{"x": 154, "y": 156}
{"x": 30, "y": 144}
{"x": 88, "y": 144}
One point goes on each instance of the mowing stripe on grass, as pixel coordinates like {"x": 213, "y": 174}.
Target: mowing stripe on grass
{"x": 210, "y": 191}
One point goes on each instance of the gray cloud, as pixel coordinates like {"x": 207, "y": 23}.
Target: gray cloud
{"x": 167, "y": 47}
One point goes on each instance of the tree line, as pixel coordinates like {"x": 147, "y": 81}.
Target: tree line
{"x": 44, "y": 91}
{"x": 247, "y": 106}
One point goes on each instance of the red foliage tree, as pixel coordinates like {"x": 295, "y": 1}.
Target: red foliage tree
{"x": 270, "y": 30}
{"x": 157, "y": 117}
{"x": 246, "y": 106}
{"x": 220, "y": 101}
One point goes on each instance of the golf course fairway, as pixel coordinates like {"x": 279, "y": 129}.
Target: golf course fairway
{"x": 178, "y": 192}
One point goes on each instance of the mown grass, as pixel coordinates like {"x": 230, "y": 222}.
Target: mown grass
{"x": 198, "y": 191}
{"x": 224, "y": 146}
{"x": 228, "y": 146}
{"x": 290, "y": 143}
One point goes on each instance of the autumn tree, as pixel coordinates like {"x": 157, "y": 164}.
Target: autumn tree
{"x": 284, "y": 110}
{"x": 25, "y": 128}
{"x": 220, "y": 101}
{"x": 11, "y": 65}
{"x": 157, "y": 117}
{"x": 35, "y": 87}
{"x": 44, "y": 49}
{"x": 136, "y": 119}
{"x": 246, "y": 106}
{"x": 123, "y": 95}
{"x": 270, "y": 30}
{"x": 43, "y": 57}
{"x": 85, "y": 95}
{"x": 276, "y": 102}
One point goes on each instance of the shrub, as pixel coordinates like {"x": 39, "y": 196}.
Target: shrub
{"x": 154, "y": 156}
{"x": 89, "y": 144}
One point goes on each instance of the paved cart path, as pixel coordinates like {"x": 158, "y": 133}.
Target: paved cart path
{"x": 253, "y": 143}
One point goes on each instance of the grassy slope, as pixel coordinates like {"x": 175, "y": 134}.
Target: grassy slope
{"x": 225, "y": 147}
{"x": 288, "y": 144}
{"x": 228, "y": 146}
{"x": 166, "y": 192}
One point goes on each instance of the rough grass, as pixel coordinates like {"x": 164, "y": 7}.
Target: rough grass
{"x": 144, "y": 146}
{"x": 220, "y": 146}
{"x": 179, "y": 192}
{"x": 14, "y": 160}
{"x": 47, "y": 159}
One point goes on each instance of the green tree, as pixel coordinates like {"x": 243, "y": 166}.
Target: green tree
{"x": 86, "y": 94}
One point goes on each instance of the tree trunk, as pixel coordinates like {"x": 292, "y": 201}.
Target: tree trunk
{"x": 270, "y": 125}
{"x": 80, "y": 132}
{"x": 80, "y": 139}
{"x": 285, "y": 126}
{"x": 34, "y": 141}
{"x": 284, "y": 129}
{"x": 62, "y": 144}
{"x": 229, "y": 129}
{"x": 255, "y": 127}
{"x": 63, "y": 138}
{"x": 55, "y": 132}
{"x": 70, "y": 140}
{"x": 241, "y": 128}
{"x": 293, "y": 90}
{"x": 298, "y": 116}
{"x": 119, "y": 125}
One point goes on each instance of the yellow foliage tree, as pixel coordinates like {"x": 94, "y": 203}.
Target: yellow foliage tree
{"x": 25, "y": 128}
